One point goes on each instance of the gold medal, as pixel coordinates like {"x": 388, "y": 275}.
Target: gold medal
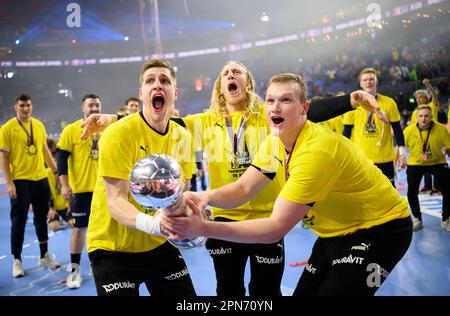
{"x": 31, "y": 149}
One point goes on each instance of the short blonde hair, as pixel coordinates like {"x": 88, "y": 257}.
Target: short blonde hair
{"x": 424, "y": 107}
{"x": 157, "y": 63}
{"x": 367, "y": 71}
{"x": 294, "y": 78}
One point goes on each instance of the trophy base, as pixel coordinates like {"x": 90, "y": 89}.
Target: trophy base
{"x": 188, "y": 243}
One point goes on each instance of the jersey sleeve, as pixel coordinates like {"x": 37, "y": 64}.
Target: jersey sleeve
{"x": 394, "y": 114}
{"x": 270, "y": 156}
{"x": 65, "y": 142}
{"x": 349, "y": 118}
{"x": 5, "y": 139}
{"x": 195, "y": 125}
{"x": 446, "y": 137}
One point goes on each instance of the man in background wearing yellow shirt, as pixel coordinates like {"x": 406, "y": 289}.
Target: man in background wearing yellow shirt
{"x": 423, "y": 98}
{"x": 373, "y": 136}
{"x": 425, "y": 141}
{"x": 23, "y": 151}
{"x": 133, "y": 105}
{"x": 77, "y": 169}
{"x": 331, "y": 186}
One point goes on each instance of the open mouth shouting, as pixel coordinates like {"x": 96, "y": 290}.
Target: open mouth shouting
{"x": 276, "y": 120}
{"x": 233, "y": 89}
{"x": 158, "y": 102}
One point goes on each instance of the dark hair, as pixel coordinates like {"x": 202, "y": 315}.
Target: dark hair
{"x": 132, "y": 99}
{"x": 51, "y": 143}
{"x": 23, "y": 97}
{"x": 90, "y": 96}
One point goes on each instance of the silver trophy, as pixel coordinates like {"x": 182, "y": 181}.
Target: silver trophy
{"x": 157, "y": 182}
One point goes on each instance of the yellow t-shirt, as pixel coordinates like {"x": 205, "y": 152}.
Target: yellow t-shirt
{"x": 82, "y": 164}
{"x": 434, "y": 112}
{"x": 211, "y": 132}
{"x": 121, "y": 146}
{"x": 349, "y": 192}
{"x": 336, "y": 124}
{"x": 59, "y": 202}
{"x": 13, "y": 139}
{"x": 370, "y": 134}
{"x": 438, "y": 138}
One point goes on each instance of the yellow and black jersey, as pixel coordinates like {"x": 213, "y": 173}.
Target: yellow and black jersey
{"x": 372, "y": 135}
{"x": 83, "y": 159}
{"x": 425, "y": 146}
{"x": 230, "y": 148}
{"x": 26, "y": 158}
{"x": 346, "y": 190}
{"x": 121, "y": 146}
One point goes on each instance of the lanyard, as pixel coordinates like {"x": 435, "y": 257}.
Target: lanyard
{"x": 95, "y": 141}
{"x": 287, "y": 159}
{"x": 424, "y": 145}
{"x": 370, "y": 118}
{"x": 235, "y": 139}
{"x": 30, "y": 138}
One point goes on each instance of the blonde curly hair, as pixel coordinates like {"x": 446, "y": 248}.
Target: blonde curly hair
{"x": 253, "y": 105}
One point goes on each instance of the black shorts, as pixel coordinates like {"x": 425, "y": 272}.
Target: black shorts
{"x": 230, "y": 259}
{"x": 162, "y": 269}
{"x": 65, "y": 214}
{"x": 355, "y": 264}
{"x": 80, "y": 206}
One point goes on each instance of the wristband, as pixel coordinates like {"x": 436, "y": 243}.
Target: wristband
{"x": 402, "y": 151}
{"x": 148, "y": 224}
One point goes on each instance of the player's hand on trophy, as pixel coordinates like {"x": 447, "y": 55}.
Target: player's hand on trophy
{"x": 96, "y": 123}
{"x": 189, "y": 227}
{"x": 368, "y": 102}
{"x": 157, "y": 182}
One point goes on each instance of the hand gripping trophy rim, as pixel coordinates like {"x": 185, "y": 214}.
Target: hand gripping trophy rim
{"x": 157, "y": 182}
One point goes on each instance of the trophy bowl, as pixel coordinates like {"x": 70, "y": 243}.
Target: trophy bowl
{"x": 157, "y": 182}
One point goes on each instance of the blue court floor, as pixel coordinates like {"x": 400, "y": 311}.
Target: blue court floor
{"x": 424, "y": 270}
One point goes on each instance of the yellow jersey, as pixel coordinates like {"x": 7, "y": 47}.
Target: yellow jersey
{"x": 226, "y": 163}
{"x": 434, "y": 112}
{"x": 347, "y": 191}
{"x": 59, "y": 202}
{"x": 336, "y": 124}
{"x": 415, "y": 140}
{"x": 372, "y": 135}
{"x": 24, "y": 164}
{"x": 83, "y": 159}
{"x": 121, "y": 146}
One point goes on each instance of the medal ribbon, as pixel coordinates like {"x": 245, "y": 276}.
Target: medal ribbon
{"x": 424, "y": 145}
{"x": 95, "y": 141}
{"x": 370, "y": 118}
{"x": 235, "y": 139}
{"x": 30, "y": 138}
{"x": 287, "y": 159}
